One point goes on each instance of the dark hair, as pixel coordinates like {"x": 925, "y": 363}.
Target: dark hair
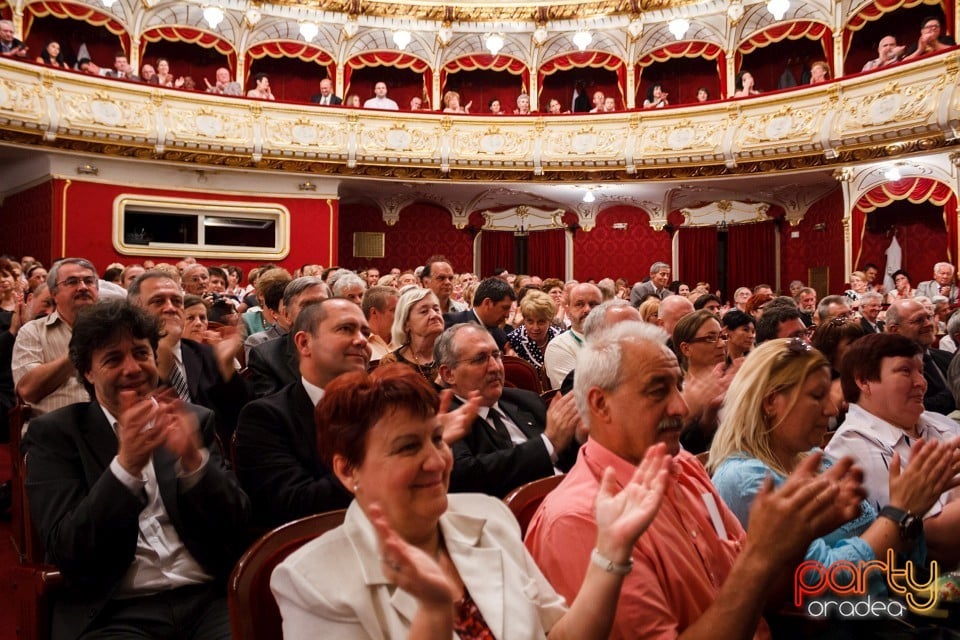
{"x": 45, "y": 55}
{"x": 272, "y": 293}
{"x": 734, "y": 319}
{"x": 496, "y": 289}
{"x": 738, "y": 83}
{"x": 260, "y": 76}
{"x": 650, "y": 90}
{"x": 900, "y": 272}
{"x": 686, "y": 330}
{"x": 430, "y": 262}
{"x": 354, "y": 402}
{"x": 831, "y": 333}
{"x": 310, "y": 316}
{"x": 870, "y": 265}
{"x": 550, "y": 283}
{"x": 865, "y": 357}
{"x": 675, "y": 286}
{"x": 377, "y": 297}
{"x": 113, "y": 274}
{"x": 705, "y": 90}
{"x": 924, "y": 22}
{"x": 99, "y": 325}
{"x": 7, "y": 267}
{"x": 704, "y": 299}
{"x": 773, "y": 316}
{"x": 133, "y": 293}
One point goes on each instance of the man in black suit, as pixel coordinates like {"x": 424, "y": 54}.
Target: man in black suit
{"x": 199, "y": 373}
{"x": 491, "y": 308}
{"x": 274, "y": 364}
{"x": 911, "y": 319}
{"x": 277, "y": 459}
{"x": 870, "y": 305}
{"x": 130, "y": 494}
{"x": 326, "y": 96}
{"x": 514, "y": 439}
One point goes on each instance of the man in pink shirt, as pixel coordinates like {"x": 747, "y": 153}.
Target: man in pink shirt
{"x": 694, "y": 571}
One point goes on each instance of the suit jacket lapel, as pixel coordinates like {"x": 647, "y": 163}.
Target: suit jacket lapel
{"x": 480, "y": 567}
{"x": 100, "y": 435}
{"x": 292, "y": 358}
{"x": 521, "y": 418}
{"x": 193, "y": 368}
{"x": 302, "y": 410}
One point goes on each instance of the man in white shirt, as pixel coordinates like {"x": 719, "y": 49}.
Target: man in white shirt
{"x": 326, "y": 97}
{"x": 131, "y": 495}
{"x": 561, "y": 354}
{"x": 889, "y": 52}
{"x": 379, "y": 307}
{"x": 380, "y": 99}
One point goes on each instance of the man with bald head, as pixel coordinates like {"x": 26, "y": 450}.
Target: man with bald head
{"x": 912, "y": 320}
{"x": 561, "y": 354}
{"x": 672, "y": 308}
{"x": 943, "y": 283}
{"x": 326, "y": 96}
{"x": 889, "y": 52}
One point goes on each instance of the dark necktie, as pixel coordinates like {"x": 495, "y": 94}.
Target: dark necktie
{"x": 178, "y": 382}
{"x": 500, "y": 428}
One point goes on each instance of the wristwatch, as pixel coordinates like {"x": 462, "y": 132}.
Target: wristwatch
{"x": 910, "y": 525}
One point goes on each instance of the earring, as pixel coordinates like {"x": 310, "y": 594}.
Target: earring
{"x": 356, "y": 487}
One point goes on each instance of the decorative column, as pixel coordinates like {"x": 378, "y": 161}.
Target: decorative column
{"x": 731, "y": 74}
{"x": 631, "y": 88}
{"x": 845, "y": 176}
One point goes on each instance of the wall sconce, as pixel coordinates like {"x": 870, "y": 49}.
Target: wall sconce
{"x": 306, "y": 185}
{"x": 108, "y": 3}
{"x": 88, "y": 169}
{"x": 620, "y": 226}
{"x": 582, "y": 39}
{"x": 678, "y": 28}
{"x": 213, "y": 15}
{"x": 494, "y": 43}
{"x": 588, "y": 197}
{"x": 540, "y": 35}
{"x": 252, "y": 16}
{"x": 402, "y": 38}
{"x": 892, "y": 173}
{"x": 820, "y": 226}
{"x": 778, "y": 8}
{"x": 635, "y": 28}
{"x": 309, "y": 30}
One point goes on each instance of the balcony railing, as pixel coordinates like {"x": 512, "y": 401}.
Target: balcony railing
{"x": 908, "y": 108}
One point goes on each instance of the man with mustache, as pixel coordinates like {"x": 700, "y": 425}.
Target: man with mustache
{"x": 276, "y": 449}
{"x": 694, "y": 571}
{"x": 913, "y": 321}
{"x": 514, "y": 438}
{"x": 42, "y": 372}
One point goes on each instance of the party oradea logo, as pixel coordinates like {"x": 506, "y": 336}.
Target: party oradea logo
{"x": 841, "y": 589}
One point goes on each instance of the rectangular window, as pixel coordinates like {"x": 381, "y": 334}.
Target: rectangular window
{"x": 179, "y": 226}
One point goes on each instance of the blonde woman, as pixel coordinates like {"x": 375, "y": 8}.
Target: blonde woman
{"x": 530, "y": 338}
{"x": 417, "y": 323}
{"x": 776, "y": 413}
{"x": 451, "y": 103}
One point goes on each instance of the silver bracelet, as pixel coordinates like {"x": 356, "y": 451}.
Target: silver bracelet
{"x": 609, "y": 565}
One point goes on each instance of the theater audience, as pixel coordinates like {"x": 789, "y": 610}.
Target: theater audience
{"x": 703, "y": 95}
{"x": 931, "y": 39}
{"x": 353, "y": 101}
{"x": 10, "y": 46}
{"x": 262, "y": 89}
{"x": 913, "y": 321}
{"x": 819, "y": 72}
{"x": 430, "y": 551}
{"x": 888, "y": 53}
{"x": 51, "y": 55}
{"x": 416, "y": 103}
{"x": 148, "y": 74}
{"x": 560, "y": 356}
{"x": 451, "y": 103}
{"x": 903, "y": 290}
{"x": 741, "y": 330}
{"x": 380, "y": 99}
{"x": 379, "y": 307}
{"x": 554, "y": 107}
{"x": 691, "y": 573}
{"x": 743, "y": 86}
{"x": 523, "y": 105}
{"x": 326, "y": 97}
{"x": 656, "y": 97}
{"x": 104, "y": 472}
{"x": 778, "y": 409}
{"x": 883, "y": 380}
{"x": 223, "y": 85}
{"x": 417, "y": 323}
{"x": 598, "y": 99}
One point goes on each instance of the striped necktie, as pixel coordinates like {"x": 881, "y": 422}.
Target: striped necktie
{"x": 179, "y": 382}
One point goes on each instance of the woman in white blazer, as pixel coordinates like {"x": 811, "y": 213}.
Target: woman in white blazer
{"x": 409, "y": 561}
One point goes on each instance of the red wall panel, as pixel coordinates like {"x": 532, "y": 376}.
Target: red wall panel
{"x": 920, "y": 232}
{"x": 815, "y": 248}
{"x": 422, "y": 231}
{"x": 606, "y": 252}
{"x": 27, "y": 223}
{"x": 89, "y": 219}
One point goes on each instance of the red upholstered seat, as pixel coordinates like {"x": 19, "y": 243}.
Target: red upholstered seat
{"x": 253, "y": 611}
{"x": 524, "y": 500}
{"x": 521, "y": 374}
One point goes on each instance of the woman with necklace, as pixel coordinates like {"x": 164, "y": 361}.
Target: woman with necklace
{"x": 530, "y": 339}
{"x": 417, "y": 324}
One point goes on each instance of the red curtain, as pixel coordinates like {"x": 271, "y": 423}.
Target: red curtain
{"x": 701, "y": 50}
{"x": 67, "y": 10}
{"x": 585, "y": 60}
{"x": 914, "y": 190}
{"x": 192, "y": 35}
{"x": 395, "y": 59}
{"x": 788, "y": 31}
{"x": 487, "y": 62}
{"x": 751, "y": 255}
{"x": 496, "y": 251}
{"x": 698, "y": 255}
{"x": 878, "y": 8}
{"x": 546, "y": 251}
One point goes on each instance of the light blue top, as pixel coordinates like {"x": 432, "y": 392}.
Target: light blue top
{"x": 739, "y": 478}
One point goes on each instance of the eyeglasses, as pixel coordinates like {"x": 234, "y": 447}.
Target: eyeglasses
{"x": 481, "y": 358}
{"x": 709, "y": 339}
{"x": 921, "y": 320}
{"x": 73, "y": 282}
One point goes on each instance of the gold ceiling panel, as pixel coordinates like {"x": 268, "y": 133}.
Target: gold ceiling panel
{"x": 487, "y": 10}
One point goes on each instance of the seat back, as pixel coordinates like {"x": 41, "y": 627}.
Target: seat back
{"x": 521, "y": 374}
{"x": 17, "y": 417}
{"x": 254, "y": 614}
{"x": 525, "y": 500}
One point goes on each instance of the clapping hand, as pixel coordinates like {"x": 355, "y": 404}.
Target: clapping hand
{"x": 623, "y": 516}
{"x": 457, "y": 424}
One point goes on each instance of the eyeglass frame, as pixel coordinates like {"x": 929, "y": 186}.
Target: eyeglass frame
{"x": 481, "y": 359}
{"x": 74, "y": 281}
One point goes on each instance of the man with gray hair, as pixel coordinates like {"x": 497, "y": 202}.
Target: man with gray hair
{"x": 42, "y": 373}
{"x": 274, "y": 364}
{"x": 870, "y": 304}
{"x": 912, "y": 320}
{"x": 656, "y": 285}
{"x": 514, "y": 439}
{"x": 349, "y": 286}
{"x": 831, "y": 307}
{"x": 943, "y": 283}
{"x": 9, "y": 45}
{"x": 561, "y": 354}
{"x": 628, "y": 392}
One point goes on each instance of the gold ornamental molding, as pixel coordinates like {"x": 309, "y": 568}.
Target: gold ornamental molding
{"x": 913, "y": 108}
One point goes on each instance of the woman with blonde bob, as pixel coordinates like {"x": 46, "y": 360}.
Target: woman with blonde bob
{"x": 530, "y": 339}
{"x": 776, "y": 413}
